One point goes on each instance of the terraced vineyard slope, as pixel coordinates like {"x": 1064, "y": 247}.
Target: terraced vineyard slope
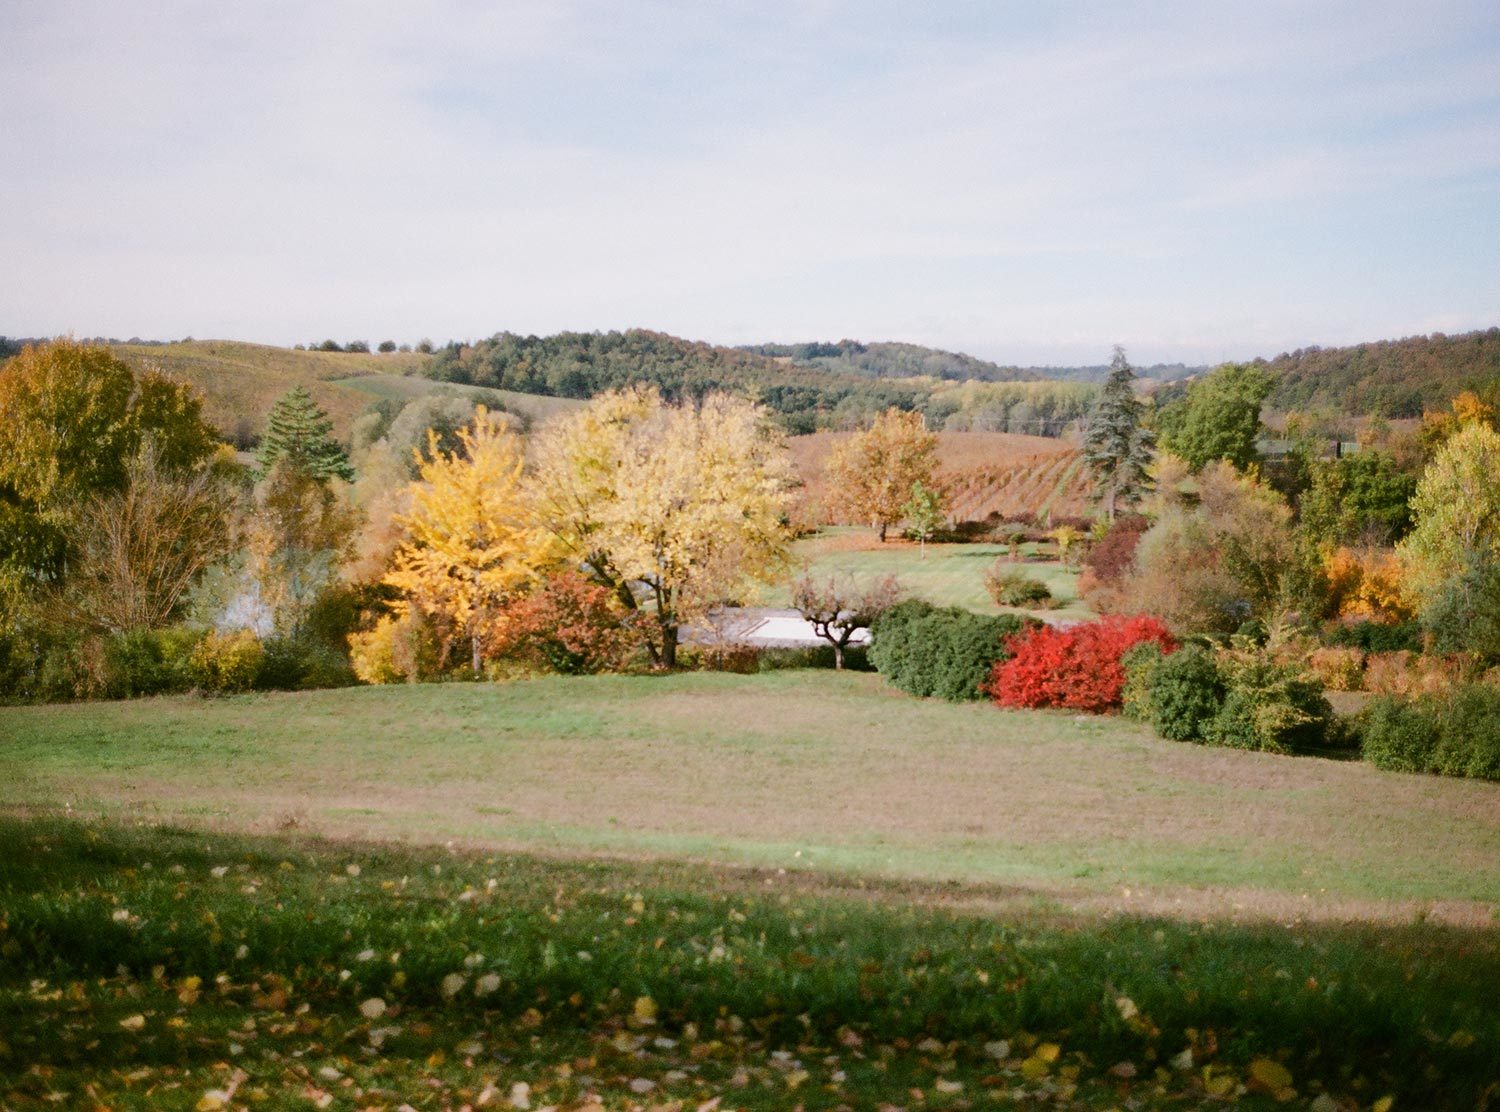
{"x": 986, "y": 472}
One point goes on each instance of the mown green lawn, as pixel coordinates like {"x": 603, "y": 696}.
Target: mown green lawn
{"x": 803, "y": 770}
{"x": 947, "y": 575}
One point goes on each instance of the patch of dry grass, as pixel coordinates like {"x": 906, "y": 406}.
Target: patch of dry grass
{"x": 241, "y": 382}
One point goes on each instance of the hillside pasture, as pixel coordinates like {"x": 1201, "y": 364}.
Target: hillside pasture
{"x": 241, "y": 382}
{"x": 835, "y": 774}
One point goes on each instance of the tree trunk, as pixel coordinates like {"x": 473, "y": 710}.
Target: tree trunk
{"x": 838, "y": 657}
{"x": 882, "y": 532}
{"x": 1109, "y": 503}
{"x": 474, "y": 648}
{"x": 668, "y": 646}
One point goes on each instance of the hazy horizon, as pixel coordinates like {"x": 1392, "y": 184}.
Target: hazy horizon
{"x": 1027, "y": 186}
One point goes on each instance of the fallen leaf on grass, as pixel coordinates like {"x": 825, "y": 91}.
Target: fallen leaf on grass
{"x": 1270, "y": 1074}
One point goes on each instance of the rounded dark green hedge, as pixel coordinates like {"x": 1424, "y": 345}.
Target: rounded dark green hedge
{"x": 1456, "y": 733}
{"x": 941, "y": 653}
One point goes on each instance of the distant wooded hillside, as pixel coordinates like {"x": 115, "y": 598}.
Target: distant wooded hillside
{"x": 896, "y": 360}
{"x": 582, "y": 364}
{"x": 891, "y": 360}
{"x": 1389, "y": 378}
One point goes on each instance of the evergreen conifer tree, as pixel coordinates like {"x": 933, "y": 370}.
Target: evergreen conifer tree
{"x": 1117, "y": 446}
{"x": 299, "y": 433}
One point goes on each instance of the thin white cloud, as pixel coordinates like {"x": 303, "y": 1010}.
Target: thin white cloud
{"x": 1032, "y": 188}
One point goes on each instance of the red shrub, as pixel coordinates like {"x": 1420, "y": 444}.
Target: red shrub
{"x": 567, "y": 624}
{"x": 1077, "y": 668}
{"x": 1110, "y": 559}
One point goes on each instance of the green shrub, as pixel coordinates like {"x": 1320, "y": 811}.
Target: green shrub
{"x": 150, "y": 662}
{"x": 302, "y": 664}
{"x": 1185, "y": 693}
{"x": 1009, "y": 586}
{"x": 227, "y": 662}
{"x": 1377, "y": 637}
{"x": 948, "y": 653}
{"x": 1270, "y": 707}
{"x": 1399, "y": 735}
{"x": 1453, "y": 733}
{"x": 890, "y": 638}
{"x": 1139, "y": 662}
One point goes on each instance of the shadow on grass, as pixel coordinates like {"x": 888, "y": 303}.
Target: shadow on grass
{"x": 104, "y": 925}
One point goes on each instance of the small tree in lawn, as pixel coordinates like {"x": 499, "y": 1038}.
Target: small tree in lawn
{"x": 1066, "y": 537}
{"x": 837, "y": 607}
{"x": 1117, "y": 446}
{"x": 924, "y": 512}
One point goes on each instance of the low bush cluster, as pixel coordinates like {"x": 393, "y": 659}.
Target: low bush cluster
{"x": 947, "y": 653}
{"x": 1010, "y": 586}
{"x": 749, "y": 659}
{"x": 1340, "y": 669}
{"x": 1242, "y": 698}
{"x": 1376, "y": 637}
{"x": 1409, "y": 673}
{"x": 1454, "y": 733}
{"x": 62, "y": 667}
{"x": 1079, "y": 668}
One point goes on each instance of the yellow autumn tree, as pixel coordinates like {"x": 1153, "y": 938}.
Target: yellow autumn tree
{"x": 469, "y": 542}
{"x": 871, "y": 474}
{"x": 675, "y": 507}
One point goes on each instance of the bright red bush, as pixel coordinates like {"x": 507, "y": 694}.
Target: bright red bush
{"x": 1077, "y": 668}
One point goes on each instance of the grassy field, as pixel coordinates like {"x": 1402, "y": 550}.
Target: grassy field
{"x": 947, "y": 575}
{"x": 806, "y": 770}
{"x": 724, "y": 892}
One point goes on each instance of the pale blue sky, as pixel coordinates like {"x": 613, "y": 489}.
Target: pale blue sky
{"x": 1031, "y": 183}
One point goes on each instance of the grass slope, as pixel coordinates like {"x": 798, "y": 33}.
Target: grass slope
{"x": 537, "y": 408}
{"x": 240, "y": 381}
{"x": 153, "y": 968}
{"x": 832, "y": 773}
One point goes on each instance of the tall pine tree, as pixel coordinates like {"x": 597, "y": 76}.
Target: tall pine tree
{"x": 299, "y": 433}
{"x": 1117, "y": 446}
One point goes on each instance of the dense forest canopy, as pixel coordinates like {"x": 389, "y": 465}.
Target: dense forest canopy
{"x": 582, "y": 364}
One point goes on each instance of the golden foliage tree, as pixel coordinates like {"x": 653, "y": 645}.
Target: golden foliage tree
{"x": 871, "y": 474}
{"x": 677, "y": 507}
{"x": 1456, "y": 510}
{"x": 470, "y": 544}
